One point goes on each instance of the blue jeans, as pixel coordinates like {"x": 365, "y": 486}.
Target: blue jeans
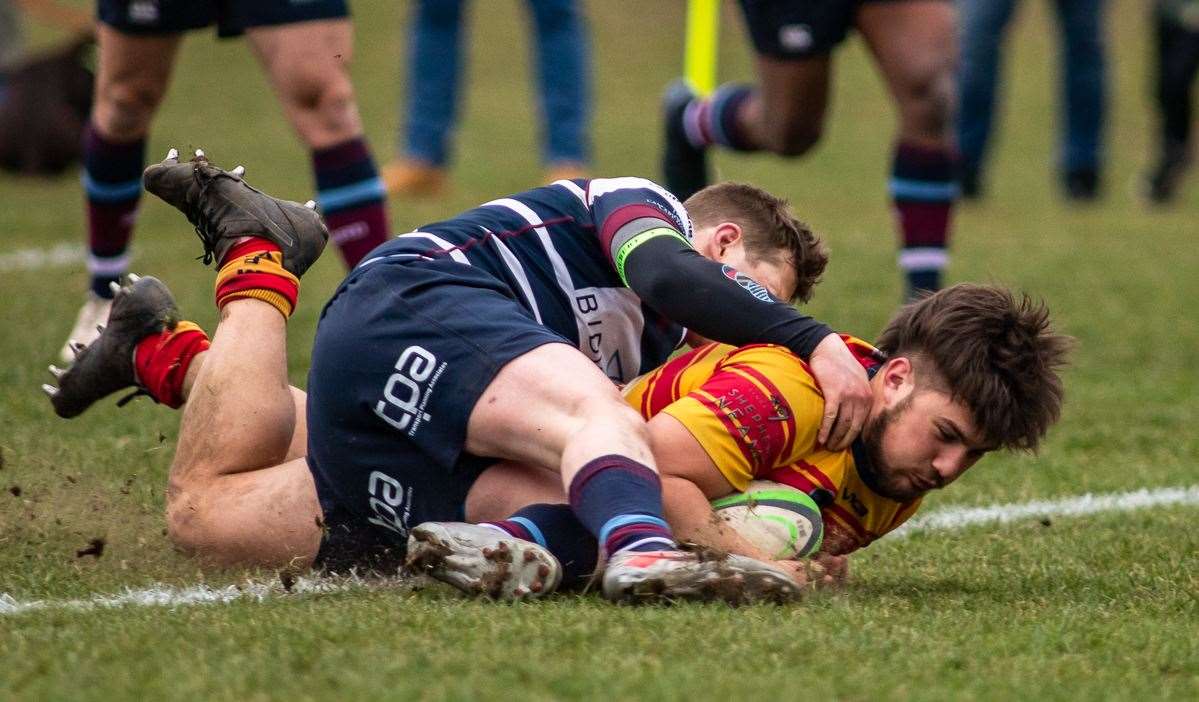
{"x": 983, "y": 23}
{"x": 562, "y": 66}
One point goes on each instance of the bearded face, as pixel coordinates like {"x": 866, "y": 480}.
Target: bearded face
{"x": 922, "y": 443}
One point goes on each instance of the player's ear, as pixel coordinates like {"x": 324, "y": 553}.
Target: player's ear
{"x": 727, "y": 235}
{"x": 898, "y": 379}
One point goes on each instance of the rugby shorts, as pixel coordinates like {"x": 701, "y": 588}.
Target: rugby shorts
{"x": 797, "y": 29}
{"x": 231, "y": 17}
{"x": 403, "y": 352}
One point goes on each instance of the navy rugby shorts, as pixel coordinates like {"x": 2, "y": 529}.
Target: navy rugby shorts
{"x": 403, "y": 351}
{"x": 797, "y": 29}
{"x": 232, "y": 17}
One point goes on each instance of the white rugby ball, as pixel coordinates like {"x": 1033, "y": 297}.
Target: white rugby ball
{"x": 776, "y": 518}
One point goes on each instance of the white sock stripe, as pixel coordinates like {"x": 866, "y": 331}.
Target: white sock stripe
{"x": 667, "y": 543}
{"x": 691, "y": 126}
{"x": 919, "y": 258}
{"x": 108, "y": 265}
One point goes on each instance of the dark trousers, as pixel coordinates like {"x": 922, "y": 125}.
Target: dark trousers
{"x": 1177, "y": 64}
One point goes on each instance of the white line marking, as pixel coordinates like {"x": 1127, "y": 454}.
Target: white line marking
{"x": 167, "y": 596}
{"x": 945, "y": 519}
{"x": 36, "y": 259}
{"x": 951, "y": 518}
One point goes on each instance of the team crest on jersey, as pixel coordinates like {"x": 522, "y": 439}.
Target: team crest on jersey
{"x": 749, "y": 284}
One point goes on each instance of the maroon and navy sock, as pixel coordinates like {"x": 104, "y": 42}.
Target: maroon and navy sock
{"x": 620, "y": 502}
{"x": 713, "y": 120}
{"x": 557, "y": 529}
{"x": 923, "y": 190}
{"x": 352, "y": 198}
{"x": 112, "y": 186}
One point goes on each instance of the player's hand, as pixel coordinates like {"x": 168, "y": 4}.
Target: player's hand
{"x": 836, "y": 568}
{"x": 808, "y": 573}
{"x": 846, "y": 392}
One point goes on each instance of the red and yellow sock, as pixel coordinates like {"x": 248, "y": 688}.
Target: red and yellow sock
{"x": 253, "y": 269}
{"x": 161, "y": 361}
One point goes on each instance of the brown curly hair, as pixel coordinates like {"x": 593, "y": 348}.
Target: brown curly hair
{"x": 768, "y": 227}
{"x": 994, "y": 351}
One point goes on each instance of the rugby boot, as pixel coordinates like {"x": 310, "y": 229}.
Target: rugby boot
{"x": 143, "y": 306}
{"x": 657, "y": 576}
{"x": 480, "y": 560}
{"x": 684, "y": 166}
{"x": 224, "y": 209}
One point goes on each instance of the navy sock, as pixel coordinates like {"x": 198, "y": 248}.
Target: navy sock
{"x": 352, "y": 198}
{"x": 923, "y": 191}
{"x": 713, "y": 120}
{"x": 557, "y": 529}
{"x": 620, "y": 501}
{"x": 112, "y": 184}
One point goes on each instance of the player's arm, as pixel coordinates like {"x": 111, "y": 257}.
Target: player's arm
{"x": 690, "y": 481}
{"x": 642, "y": 227}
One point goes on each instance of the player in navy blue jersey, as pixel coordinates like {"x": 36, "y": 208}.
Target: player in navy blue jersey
{"x": 479, "y": 338}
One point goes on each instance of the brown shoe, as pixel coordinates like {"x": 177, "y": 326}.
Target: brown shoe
{"x": 566, "y": 170}
{"x": 413, "y": 179}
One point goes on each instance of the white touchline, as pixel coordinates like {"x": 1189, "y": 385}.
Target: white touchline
{"x": 36, "y": 259}
{"x": 949, "y": 518}
{"x": 944, "y": 519}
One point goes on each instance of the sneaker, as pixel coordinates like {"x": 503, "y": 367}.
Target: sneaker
{"x": 1082, "y": 185}
{"x": 142, "y": 307}
{"x": 1163, "y": 182}
{"x": 684, "y": 167}
{"x": 93, "y": 314}
{"x": 480, "y": 560}
{"x": 224, "y": 209}
{"x": 632, "y": 576}
{"x": 413, "y": 179}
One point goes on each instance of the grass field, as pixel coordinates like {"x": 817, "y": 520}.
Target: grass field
{"x": 1098, "y": 606}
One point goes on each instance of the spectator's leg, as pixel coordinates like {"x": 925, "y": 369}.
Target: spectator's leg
{"x": 564, "y": 71}
{"x": 982, "y": 25}
{"x": 1085, "y": 72}
{"x": 1177, "y": 54}
{"x": 434, "y": 74}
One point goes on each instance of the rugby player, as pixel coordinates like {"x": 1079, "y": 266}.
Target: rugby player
{"x": 914, "y": 44}
{"x": 955, "y": 375}
{"x": 445, "y": 350}
{"x": 305, "y": 49}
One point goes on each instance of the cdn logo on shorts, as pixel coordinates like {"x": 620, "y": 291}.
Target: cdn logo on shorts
{"x": 408, "y": 390}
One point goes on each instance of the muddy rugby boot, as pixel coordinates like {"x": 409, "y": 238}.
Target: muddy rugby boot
{"x": 658, "y": 576}
{"x": 224, "y": 209}
{"x": 480, "y": 560}
{"x": 141, "y": 307}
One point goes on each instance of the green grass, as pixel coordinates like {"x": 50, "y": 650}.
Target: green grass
{"x": 1094, "y": 607}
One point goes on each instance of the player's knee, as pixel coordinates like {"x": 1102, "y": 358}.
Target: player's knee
{"x": 927, "y": 101}
{"x": 124, "y": 110}
{"x": 326, "y": 99}
{"x": 185, "y": 519}
{"x": 793, "y": 139}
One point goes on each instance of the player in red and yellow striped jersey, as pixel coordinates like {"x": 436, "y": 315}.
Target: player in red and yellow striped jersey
{"x": 962, "y": 372}
{"x": 755, "y": 410}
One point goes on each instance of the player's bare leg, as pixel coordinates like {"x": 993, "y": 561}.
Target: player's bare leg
{"x": 915, "y": 45}
{"x": 307, "y": 64}
{"x": 234, "y": 497}
{"x": 132, "y": 73}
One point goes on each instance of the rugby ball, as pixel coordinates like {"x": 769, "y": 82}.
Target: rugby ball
{"x": 777, "y": 518}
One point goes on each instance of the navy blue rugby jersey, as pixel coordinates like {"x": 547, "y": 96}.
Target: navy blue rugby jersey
{"x": 552, "y": 247}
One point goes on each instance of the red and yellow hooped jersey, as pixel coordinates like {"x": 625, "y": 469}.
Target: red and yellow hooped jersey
{"x": 756, "y": 411}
